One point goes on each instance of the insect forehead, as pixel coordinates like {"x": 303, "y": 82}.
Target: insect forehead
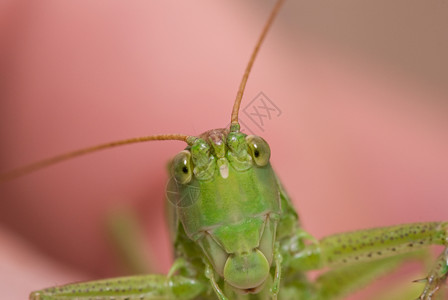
{"x": 221, "y": 148}
{"x": 217, "y": 143}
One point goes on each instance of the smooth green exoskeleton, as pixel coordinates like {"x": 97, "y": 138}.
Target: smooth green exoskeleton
{"x": 236, "y": 235}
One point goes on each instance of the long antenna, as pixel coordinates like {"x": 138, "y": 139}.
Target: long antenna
{"x": 166, "y": 137}
{"x": 239, "y": 95}
{"x": 69, "y": 155}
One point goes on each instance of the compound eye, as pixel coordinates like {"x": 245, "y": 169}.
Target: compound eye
{"x": 182, "y": 169}
{"x": 259, "y": 149}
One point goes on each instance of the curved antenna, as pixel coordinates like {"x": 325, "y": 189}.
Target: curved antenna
{"x": 239, "y": 95}
{"x": 69, "y": 155}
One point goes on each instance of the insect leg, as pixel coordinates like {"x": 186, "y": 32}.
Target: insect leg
{"x": 210, "y": 275}
{"x": 437, "y": 276}
{"x": 140, "y": 287}
{"x": 180, "y": 264}
{"x": 368, "y": 245}
{"x": 341, "y": 281}
{"x": 373, "y": 244}
{"x": 278, "y": 271}
{"x": 124, "y": 232}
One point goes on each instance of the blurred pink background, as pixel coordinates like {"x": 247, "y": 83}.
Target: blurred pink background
{"x": 361, "y": 141}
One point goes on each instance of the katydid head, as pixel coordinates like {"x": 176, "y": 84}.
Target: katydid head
{"x": 233, "y": 213}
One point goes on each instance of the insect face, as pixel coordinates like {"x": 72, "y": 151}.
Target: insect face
{"x": 229, "y": 204}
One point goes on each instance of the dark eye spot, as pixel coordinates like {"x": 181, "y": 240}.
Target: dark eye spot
{"x": 185, "y": 169}
{"x": 256, "y": 153}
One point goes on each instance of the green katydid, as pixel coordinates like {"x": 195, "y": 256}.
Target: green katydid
{"x": 276, "y": 238}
